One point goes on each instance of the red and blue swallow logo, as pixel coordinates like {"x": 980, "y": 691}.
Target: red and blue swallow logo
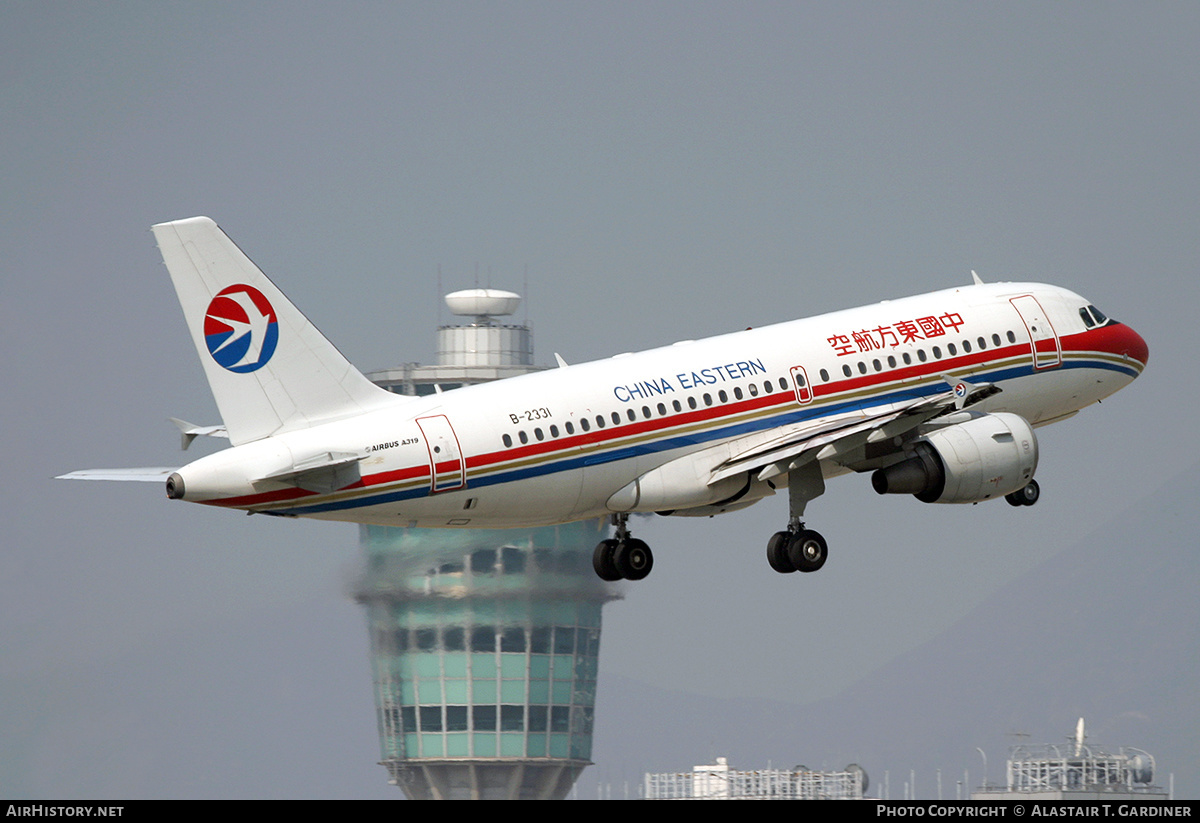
{"x": 960, "y": 390}
{"x": 240, "y": 329}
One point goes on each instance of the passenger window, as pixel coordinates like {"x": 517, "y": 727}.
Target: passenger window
{"x": 724, "y": 398}
{"x": 616, "y": 418}
{"x": 824, "y": 376}
{"x": 599, "y": 421}
{"x": 646, "y": 412}
{"x": 995, "y": 340}
{"x": 767, "y": 387}
{"x": 507, "y": 441}
{"x": 846, "y": 369}
{"x": 862, "y": 367}
{"x": 691, "y": 402}
{"x": 553, "y": 431}
{"x": 907, "y": 358}
{"x": 783, "y": 384}
{"x": 982, "y": 344}
{"x": 967, "y": 346}
{"x": 522, "y": 436}
{"x": 737, "y": 392}
{"x": 570, "y": 427}
{"x": 891, "y": 361}
{"x": 538, "y": 434}
{"x": 584, "y": 424}
{"x": 921, "y": 355}
{"x": 707, "y": 399}
{"x": 662, "y": 410}
{"x": 878, "y": 366}
{"x": 753, "y": 390}
{"x": 1012, "y": 338}
{"x": 631, "y": 414}
{"x": 675, "y": 405}
{"x": 951, "y": 349}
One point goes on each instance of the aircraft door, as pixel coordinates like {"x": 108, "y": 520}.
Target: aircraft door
{"x": 803, "y": 389}
{"x": 447, "y": 467}
{"x": 1043, "y": 340}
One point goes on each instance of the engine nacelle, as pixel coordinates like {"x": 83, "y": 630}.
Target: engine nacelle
{"x": 990, "y": 456}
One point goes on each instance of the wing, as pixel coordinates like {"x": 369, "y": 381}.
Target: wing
{"x": 794, "y": 446}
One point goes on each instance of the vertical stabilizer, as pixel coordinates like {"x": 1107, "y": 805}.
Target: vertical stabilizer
{"x": 269, "y": 368}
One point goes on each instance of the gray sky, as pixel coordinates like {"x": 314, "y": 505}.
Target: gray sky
{"x": 662, "y": 171}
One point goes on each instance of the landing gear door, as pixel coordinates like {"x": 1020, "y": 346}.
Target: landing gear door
{"x": 1046, "y": 349}
{"x": 803, "y": 389}
{"x": 447, "y": 468}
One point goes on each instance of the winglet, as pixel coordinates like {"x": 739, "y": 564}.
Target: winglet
{"x": 966, "y": 394}
{"x": 975, "y": 277}
{"x": 562, "y": 364}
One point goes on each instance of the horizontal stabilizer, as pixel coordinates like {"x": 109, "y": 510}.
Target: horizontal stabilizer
{"x": 322, "y": 473}
{"x": 146, "y": 475}
{"x": 190, "y": 431}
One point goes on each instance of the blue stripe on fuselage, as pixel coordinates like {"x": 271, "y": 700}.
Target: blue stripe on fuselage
{"x": 617, "y": 453}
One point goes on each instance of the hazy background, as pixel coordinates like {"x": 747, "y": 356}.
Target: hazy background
{"x": 657, "y": 172}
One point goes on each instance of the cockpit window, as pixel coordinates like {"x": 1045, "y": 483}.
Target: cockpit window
{"x": 1092, "y": 316}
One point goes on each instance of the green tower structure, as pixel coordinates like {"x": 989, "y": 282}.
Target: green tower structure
{"x": 485, "y": 649}
{"x": 485, "y": 643}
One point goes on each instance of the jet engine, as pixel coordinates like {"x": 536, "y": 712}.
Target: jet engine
{"x": 989, "y": 456}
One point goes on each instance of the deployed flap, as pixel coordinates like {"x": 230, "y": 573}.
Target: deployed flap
{"x": 798, "y": 445}
{"x": 269, "y": 368}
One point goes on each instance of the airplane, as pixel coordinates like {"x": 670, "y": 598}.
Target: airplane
{"x": 936, "y": 396}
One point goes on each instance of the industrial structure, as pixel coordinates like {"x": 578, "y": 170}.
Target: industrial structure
{"x": 719, "y": 782}
{"x": 484, "y": 643}
{"x": 1076, "y": 771}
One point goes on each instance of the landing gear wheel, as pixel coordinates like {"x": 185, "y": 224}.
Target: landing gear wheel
{"x": 777, "y": 553}
{"x": 1025, "y": 496}
{"x": 807, "y": 550}
{"x": 602, "y": 560}
{"x": 633, "y": 559}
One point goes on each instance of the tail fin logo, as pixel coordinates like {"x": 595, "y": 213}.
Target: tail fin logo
{"x": 240, "y": 329}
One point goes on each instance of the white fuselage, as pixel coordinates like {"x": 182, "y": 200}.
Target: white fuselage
{"x": 558, "y": 445}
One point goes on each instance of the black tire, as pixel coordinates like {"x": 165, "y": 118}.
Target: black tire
{"x": 1027, "y": 495}
{"x": 807, "y": 550}
{"x": 777, "y": 553}
{"x": 633, "y": 559}
{"x": 602, "y": 561}
{"x": 1031, "y": 493}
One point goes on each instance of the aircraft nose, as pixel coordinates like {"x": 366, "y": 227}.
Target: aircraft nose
{"x": 1130, "y": 345}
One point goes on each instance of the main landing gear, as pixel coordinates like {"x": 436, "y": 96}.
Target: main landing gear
{"x": 802, "y": 550}
{"x": 1025, "y": 496}
{"x": 622, "y": 557}
{"x": 799, "y": 549}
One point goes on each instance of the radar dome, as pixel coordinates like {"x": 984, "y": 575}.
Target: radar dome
{"x": 483, "y": 302}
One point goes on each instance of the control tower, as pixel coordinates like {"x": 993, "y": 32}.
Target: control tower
{"x": 484, "y": 643}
